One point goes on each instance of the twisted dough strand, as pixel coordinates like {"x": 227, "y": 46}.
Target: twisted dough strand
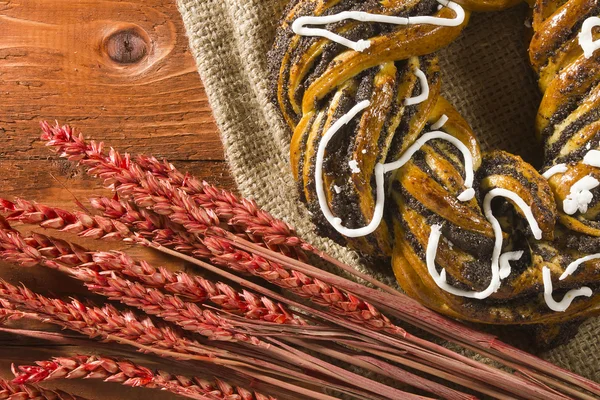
{"x": 316, "y": 82}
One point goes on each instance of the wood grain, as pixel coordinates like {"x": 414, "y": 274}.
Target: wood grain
{"x": 119, "y": 71}
{"x": 56, "y": 62}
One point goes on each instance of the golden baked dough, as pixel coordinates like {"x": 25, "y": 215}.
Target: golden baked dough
{"x": 317, "y": 81}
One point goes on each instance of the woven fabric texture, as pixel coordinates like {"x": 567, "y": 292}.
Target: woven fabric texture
{"x": 485, "y": 74}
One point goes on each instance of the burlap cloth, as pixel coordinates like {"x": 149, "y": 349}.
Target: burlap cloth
{"x": 485, "y": 74}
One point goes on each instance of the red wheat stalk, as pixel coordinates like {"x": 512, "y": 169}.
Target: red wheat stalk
{"x": 223, "y": 253}
{"x": 153, "y": 227}
{"x": 80, "y": 223}
{"x": 128, "y": 373}
{"x": 40, "y": 249}
{"x": 111, "y": 325}
{"x": 106, "y": 323}
{"x": 193, "y": 287}
{"x": 242, "y": 215}
{"x": 142, "y": 222}
{"x": 311, "y": 362}
{"x": 10, "y": 391}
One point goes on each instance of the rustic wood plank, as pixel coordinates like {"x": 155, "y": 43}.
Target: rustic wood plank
{"x": 72, "y": 61}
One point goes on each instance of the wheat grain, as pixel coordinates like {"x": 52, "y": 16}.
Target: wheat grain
{"x": 197, "y": 288}
{"x": 10, "y": 391}
{"x": 131, "y": 374}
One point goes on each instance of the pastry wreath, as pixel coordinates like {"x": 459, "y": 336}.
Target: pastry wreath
{"x": 388, "y": 166}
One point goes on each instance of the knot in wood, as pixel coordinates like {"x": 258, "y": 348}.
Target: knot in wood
{"x": 126, "y": 46}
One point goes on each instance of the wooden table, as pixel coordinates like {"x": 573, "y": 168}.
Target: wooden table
{"x": 120, "y": 72}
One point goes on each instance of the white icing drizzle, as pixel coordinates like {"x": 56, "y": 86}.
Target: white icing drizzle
{"x": 586, "y": 40}
{"x": 505, "y": 267}
{"x": 334, "y": 221}
{"x": 557, "y": 169}
{"x": 580, "y": 196}
{"x": 592, "y": 158}
{"x": 299, "y": 26}
{"x": 380, "y": 171}
{"x": 434, "y": 237}
{"x": 575, "y": 264}
{"x": 577, "y": 200}
{"x": 561, "y": 306}
{"x": 467, "y": 195}
{"x": 440, "y": 122}
{"x": 354, "y": 166}
{"x": 424, "y": 90}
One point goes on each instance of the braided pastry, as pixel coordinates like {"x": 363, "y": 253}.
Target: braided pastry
{"x": 386, "y": 165}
